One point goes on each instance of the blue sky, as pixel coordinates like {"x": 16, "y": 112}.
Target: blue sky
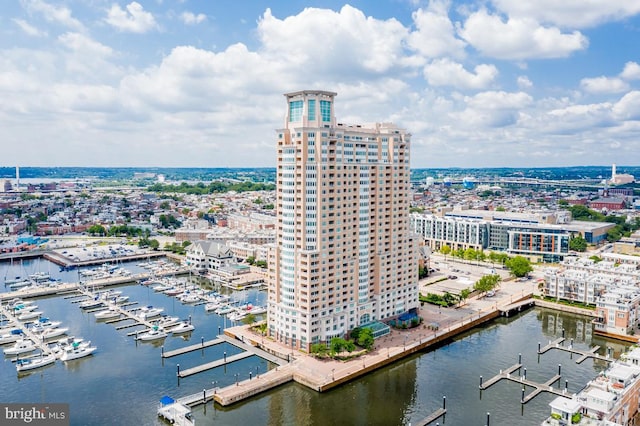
{"x": 494, "y": 83}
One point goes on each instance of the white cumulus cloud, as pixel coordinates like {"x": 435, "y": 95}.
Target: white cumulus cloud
{"x": 524, "y": 82}
{"x": 444, "y": 72}
{"x": 628, "y": 108}
{"x": 134, "y": 19}
{"x": 631, "y": 71}
{"x": 346, "y": 41}
{"x": 518, "y": 38}
{"x": 435, "y": 35}
{"x": 570, "y": 13}
{"x": 58, "y": 14}
{"x": 191, "y": 18}
{"x": 604, "y": 85}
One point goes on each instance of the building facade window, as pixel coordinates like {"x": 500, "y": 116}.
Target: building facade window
{"x": 295, "y": 110}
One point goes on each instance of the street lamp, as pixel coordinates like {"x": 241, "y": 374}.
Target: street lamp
{"x": 214, "y": 383}
{"x": 333, "y": 377}
{"x": 236, "y": 378}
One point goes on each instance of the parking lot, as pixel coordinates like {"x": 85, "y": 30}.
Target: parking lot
{"x": 459, "y": 275}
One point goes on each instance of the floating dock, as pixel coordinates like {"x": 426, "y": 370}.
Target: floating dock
{"x": 538, "y": 387}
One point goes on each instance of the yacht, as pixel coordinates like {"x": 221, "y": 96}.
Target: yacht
{"x": 182, "y": 327}
{"x": 76, "y": 350}
{"x": 107, "y": 314}
{"x": 11, "y": 336}
{"x": 26, "y": 364}
{"x": 167, "y": 321}
{"x": 29, "y": 315}
{"x": 237, "y": 315}
{"x": 149, "y": 312}
{"x": 49, "y": 333}
{"x": 21, "y": 347}
{"x": 91, "y": 303}
{"x": 224, "y": 309}
{"x": 155, "y": 333}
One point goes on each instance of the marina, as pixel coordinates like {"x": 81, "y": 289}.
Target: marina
{"x": 255, "y": 380}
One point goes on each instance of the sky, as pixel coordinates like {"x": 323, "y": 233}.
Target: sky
{"x": 200, "y": 83}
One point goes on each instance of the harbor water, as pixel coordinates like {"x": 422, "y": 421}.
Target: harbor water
{"x": 122, "y": 382}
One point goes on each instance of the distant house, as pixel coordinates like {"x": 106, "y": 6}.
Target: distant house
{"x": 610, "y": 203}
{"x": 206, "y": 255}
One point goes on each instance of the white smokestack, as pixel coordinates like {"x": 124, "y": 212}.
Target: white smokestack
{"x": 17, "y": 178}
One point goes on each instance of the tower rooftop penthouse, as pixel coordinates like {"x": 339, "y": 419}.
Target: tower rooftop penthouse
{"x": 343, "y": 255}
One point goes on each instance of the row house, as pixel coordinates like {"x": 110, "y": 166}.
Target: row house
{"x": 617, "y": 310}
{"x": 611, "y": 399}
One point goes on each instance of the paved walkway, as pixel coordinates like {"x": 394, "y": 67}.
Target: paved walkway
{"x": 324, "y": 374}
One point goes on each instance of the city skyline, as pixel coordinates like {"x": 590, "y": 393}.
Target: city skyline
{"x": 200, "y": 84}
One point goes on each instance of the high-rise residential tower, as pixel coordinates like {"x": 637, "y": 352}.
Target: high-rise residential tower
{"x": 344, "y": 255}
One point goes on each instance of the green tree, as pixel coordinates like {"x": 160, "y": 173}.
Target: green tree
{"x": 578, "y": 243}
{"x": 251, "y": 260}
{"x": 519, "y": 266}
{"x": 445, "y": 250}
{"x": 365, "y": 338}
{"x": 319, "y": 350}
{"x": 464, "y": 295}
{"x": 261, "y": 264}
{"x": 96, "y": 230}
{"x": 154, "y": 244}
{"x": 337, "y": 345}
{"x": 249, "y": 319}
{"x": 487, "y": 283}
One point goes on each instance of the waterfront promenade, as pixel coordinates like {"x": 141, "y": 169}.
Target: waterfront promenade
{"x": 324, "y": 374}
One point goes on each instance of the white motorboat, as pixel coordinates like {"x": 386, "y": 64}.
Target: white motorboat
{"x": 149, "y": 312}
{"x": 21, "y": 347}
{"x": 159, "y": 288}
{"x": 27, "y": 364}
{"x": 50, "y": 333}
{"x": 224, "y": 309}
{"x": 211, "y": 306}
{"x": 167, "y": 321}
{"x": 11, "y": 336}
{"x": 107, "y": 314}
{"x": 16, "y": 301}
{"x": 40, "y": 276}
{"x": 237, "y": 315}
{"x": 256, "y": 310}
{"x": 121, "y": 299}
{"x": 29, "y": 315}
{"x": 45, "y": 322}
{"x": 91, "y": 303}
{"x": 182, "y": 327}
{"x": 76, "y": 350}
{"x": 173, "y": 291}
{"x": 18, "y": 309}
{"x": 190, "y": 298}
{"x": 61, "y": 344}
{"x": 155, "y": 333}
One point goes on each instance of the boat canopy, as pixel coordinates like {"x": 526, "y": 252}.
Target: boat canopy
{"x": 166, "y": 400}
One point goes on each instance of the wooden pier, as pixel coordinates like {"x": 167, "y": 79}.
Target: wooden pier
{"x": 217, "y": 363}
{"x": 591, "y": 353}
{"x": 191, "y": 348}
{"x": 432, "y": 417}
{"x": 538, "y": 387}
{"x": 67, "y": 288}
